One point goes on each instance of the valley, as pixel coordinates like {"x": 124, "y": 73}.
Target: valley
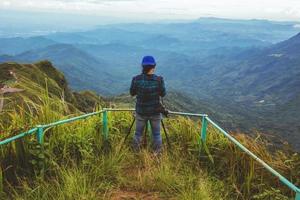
{"x": 244, "y": 77}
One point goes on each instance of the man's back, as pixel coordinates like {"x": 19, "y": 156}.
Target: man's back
{"x": 148, "y": 88}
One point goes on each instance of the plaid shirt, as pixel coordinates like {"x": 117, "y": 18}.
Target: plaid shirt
{"x": 148, "y": 89}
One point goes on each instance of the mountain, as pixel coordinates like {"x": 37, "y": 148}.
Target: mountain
{"x": 16, "y": 45}
{"x": 260, "y": 84}
{"x": 243, "y": 77}
{"x": 125, "y": 59}
{"x": 190, "y": 36}
{"x": 183, "y": 37}
{"x": 5, "y": 58}
{"x": 160, "y": 41}
{"x": 256, "y": 29}
{"x": 82, "y": 70}
{"x": 117, "y": 49}
{"x": 198, "y": 37}
{"x": 209, "y": 27}
{"x": 35, "y": 78}
{"x": 289, "y": 47}
{"x": 270, "y": 74}
{"x": 99, "y": 36}
{"x": 72, "y": 38}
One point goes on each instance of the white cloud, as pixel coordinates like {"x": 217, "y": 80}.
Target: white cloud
{"x": 155, "y": 9}
{"x": 5, "y": 3}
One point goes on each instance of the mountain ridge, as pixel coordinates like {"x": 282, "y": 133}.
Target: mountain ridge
{"x": 81, "y": 68}
{"x": 42, "y": 77}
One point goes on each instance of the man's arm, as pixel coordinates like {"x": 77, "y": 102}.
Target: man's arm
{"x": 162, "y": 88}
{"x": 133, "y": 87}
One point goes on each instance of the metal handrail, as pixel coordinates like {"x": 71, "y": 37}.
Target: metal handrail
{"x": 264, "y": 164}
{"x": 71, "y": 119}
{"x": 39, "y": 130}
{"x": 11, "y": 139}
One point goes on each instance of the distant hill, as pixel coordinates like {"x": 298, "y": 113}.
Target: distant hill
{"x": 100, "y": 36}
{"x": 256, "y": 29}
{"x": 16, "y": 45}
{"x": 271, "y": 74}
{"x": 260, "y": 84}
{"x": 82, "y": 70}
{"x": 207, "y": 28}
{"x": 196, "y": 37}
{"x": 289, "y": 48}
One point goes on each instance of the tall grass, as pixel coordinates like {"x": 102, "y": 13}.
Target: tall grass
{"x": 247, "y": 177}
{"x": 77, "y": 166}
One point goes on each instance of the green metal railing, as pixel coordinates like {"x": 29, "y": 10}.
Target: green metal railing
{"x": 40, "y": 129}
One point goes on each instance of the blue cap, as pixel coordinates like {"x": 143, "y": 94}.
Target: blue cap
{"x": 148, "y": 60}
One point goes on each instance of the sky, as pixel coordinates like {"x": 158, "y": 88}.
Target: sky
{"x": 137, "y": 10}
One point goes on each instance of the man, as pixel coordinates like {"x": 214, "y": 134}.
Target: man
{"x": 148, "y": 89}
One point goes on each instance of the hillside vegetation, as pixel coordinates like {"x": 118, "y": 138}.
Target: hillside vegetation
{"x": 76, "y": 162}
{"x": 35, "y": 78}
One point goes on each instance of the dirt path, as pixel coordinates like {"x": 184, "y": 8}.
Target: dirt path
{"x": 132, "y": 195}
{"x": 5, "y": 90}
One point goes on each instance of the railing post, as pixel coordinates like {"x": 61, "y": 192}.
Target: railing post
{"x": 204, "y": 129}
{"x": 40, "y": 139}
{"x": 105, "y": 124}
{"x": 297, "y": 196}
{"x": 40, "y": 134}
{"x": 149, "y": 129}
{"x": 149, "y": 126}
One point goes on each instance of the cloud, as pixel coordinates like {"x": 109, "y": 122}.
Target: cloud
{"x": 94, "y": 1}
{"x": 6, "y": 3}
{"x": 188, "y": 9}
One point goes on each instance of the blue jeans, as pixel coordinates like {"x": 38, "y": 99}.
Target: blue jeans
{"x": 141, "y": 121}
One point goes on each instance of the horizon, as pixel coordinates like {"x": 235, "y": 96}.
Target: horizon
{"x": 133, "y": 11}
{"x": 29, "y": 23}
{"x": 116, "y": 20}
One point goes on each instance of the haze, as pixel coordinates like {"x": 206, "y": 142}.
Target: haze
{"x": 151, "y": 10}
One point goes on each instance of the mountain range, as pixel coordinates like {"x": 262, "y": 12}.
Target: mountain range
{"x": 238, "y": 71}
